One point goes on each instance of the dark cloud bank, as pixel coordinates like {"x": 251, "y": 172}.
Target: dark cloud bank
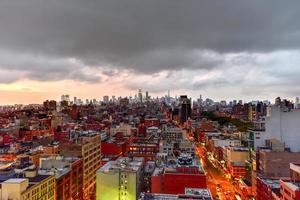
{"x": 146, "y": 36}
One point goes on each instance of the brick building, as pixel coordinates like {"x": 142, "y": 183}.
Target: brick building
{"x": 88, "y": 147}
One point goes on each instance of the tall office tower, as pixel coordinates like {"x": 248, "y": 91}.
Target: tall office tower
{"x": 140, "y": 96}
{"x": 147, "y": 96}
{"x": 200, "y": 101}
{"x": 95, "y": 101}
{"x": 234, "y": 102}
{"x": 67, "y": 98}
{"x": 185, "y": 110}
{"x": 88, "y": 147}
{"x": 105, "y": 99}
{"x": 296, "y": 103}
{"x": 75, "y": 100}
{"x": 120, "y": 179}
{"x": 278, "y": 101}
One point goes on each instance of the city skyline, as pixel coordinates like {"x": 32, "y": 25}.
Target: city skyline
{"x": 134, "y": 94}
{"x": 112, "y": 48}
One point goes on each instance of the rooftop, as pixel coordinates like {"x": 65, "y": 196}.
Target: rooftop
{"x": 15, "y": 180}
{"x": 150, "y": 196}
{"x": 272, "y": 183}
{"x": 124, "y": 163}
{"x": 38, "y": 178}
{"x": 292, "y": 185}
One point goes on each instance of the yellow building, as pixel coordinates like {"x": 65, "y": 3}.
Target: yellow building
{"x": 33, "y": 187}
{"x": 120, "y": 179}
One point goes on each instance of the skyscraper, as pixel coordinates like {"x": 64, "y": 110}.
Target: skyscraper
{"x": 147, "y": 96}
{"x": 140, "y": 96}
{"x": 185, "y": 110}
{"x": 297, "y": 103}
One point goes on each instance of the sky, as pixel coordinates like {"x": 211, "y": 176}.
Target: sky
{"x": 230, "y": 49}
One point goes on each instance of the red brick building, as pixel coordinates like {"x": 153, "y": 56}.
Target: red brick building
{"x": 143, "y": 147}
{"x": 62, "y": 136}
{"x": 5, "y": 139}
{"x": 28, "y": 135}
{"x": 152, "y": 122}
{"x": 266, "y": 187}
{"x": 114, "y": 147}
{"x": 238, "y": 171}
{"x": 175, "y": 180}
{"x": 290, "y": 190}
{"x": 69, "y": 176}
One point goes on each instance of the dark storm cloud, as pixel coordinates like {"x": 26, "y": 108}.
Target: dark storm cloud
{"x": 15, "y": 66}
{"x": 145, "y": 35}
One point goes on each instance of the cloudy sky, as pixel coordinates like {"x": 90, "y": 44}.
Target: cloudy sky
{"x": 89, "y": 48}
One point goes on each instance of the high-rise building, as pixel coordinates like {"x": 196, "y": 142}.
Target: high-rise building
{"x": 105, "y": 99}
{"x": 296, "y": 106}
{"x": 147, "y": 96}
{"x": 140, "y": 96}
{"x": 88, "y": 147}
{"x": 75, "y": 100}
{"x": 68, "y": 175}
{"x": 185, "y": 110}
{"x": 120, "y": 179}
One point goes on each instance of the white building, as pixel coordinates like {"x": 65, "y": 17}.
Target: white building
{"x": 297, "y": 103}
{"x": 184, "y": 146}
{"x": 280, "y": 124}
{"x": 226, "y": 142}
{"x": 123, "y": 127}
{"x": 153, "y": 131}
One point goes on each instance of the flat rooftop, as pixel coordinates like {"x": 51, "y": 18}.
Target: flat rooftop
{"x": 124, "y": 163}
{"x": 293, "y": 185}
{"x": 150, "y": 196}
{"x": 38, "y": 178}
{"x": 15, "y": 180}
{"x": 272, "y": 183}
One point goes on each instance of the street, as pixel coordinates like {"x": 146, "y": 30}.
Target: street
{"x": 220, "y": 187}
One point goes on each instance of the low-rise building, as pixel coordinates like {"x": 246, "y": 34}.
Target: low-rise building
{"x": 276, "y": 164}
{"x": 266, "y": 188}
{"x": 190, "y": 193}
{"x": 177, "y": 174}
{"x": 290, "y": 189}
{"x": 32, "y": 187}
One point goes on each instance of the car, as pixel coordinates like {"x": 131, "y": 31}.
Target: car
{"x": 227, "y": 192}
